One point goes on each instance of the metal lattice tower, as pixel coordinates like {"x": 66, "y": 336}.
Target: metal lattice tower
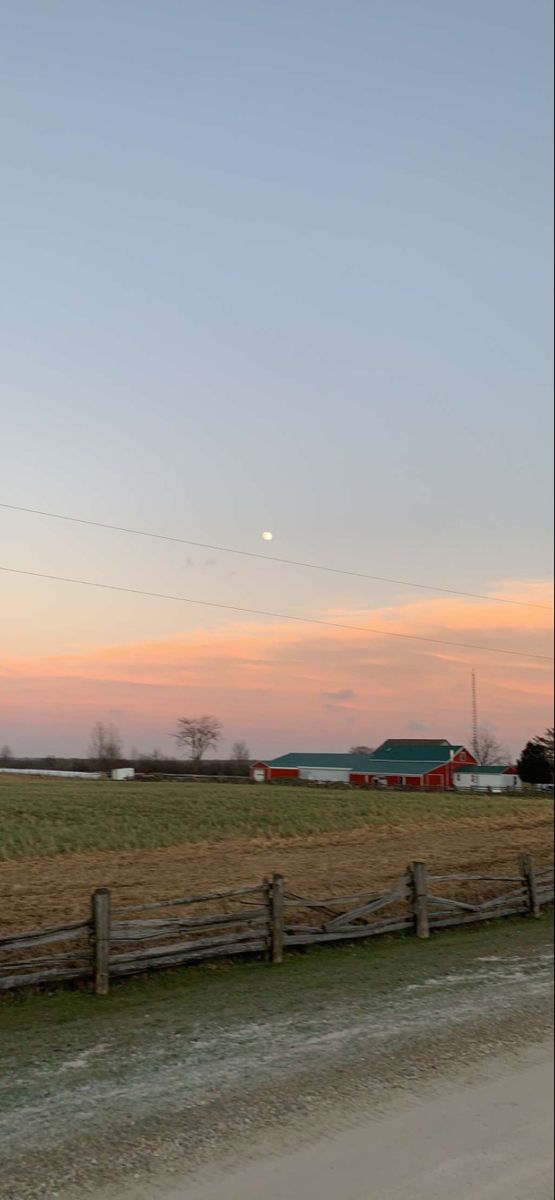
{"x": 474, "y": 717}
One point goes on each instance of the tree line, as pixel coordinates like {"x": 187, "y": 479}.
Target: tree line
{"x": 195, "y": 736}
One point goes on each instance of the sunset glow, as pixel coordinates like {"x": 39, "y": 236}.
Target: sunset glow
{"x": 284, "y": 685}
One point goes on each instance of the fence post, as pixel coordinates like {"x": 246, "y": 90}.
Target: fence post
{"x": 528, "y": 872}
{"x": 419, "y": 877}
{"x": 276, "y": 918}
{"x": 101, "y": 936}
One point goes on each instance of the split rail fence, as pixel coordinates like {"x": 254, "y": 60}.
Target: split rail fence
{"x": 265, "y": 919}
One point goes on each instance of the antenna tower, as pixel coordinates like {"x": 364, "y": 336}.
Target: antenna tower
{"x": 474, "y": 717}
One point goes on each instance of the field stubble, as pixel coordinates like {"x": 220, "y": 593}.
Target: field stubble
{"x": 58, "y": 841}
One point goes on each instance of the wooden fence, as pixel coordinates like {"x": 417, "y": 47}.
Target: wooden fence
{"x": 263, "y": 919}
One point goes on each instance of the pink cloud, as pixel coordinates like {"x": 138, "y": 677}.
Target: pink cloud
{"x": 275, "y": 683}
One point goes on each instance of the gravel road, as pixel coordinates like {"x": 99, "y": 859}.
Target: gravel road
{"x": 488, "y": 1141}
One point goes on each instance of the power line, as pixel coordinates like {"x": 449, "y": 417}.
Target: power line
{"x": 261, "y": 612}
{"x": 289, "y": 562}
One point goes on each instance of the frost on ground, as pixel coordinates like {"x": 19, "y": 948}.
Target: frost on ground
{"x": 174, "y": 1086}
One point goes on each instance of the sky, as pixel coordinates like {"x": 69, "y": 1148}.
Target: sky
{"x": 275, "y": 267}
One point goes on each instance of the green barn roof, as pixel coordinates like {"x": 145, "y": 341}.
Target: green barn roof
{"x": 366, "y": 764}
{"x": 353, "y": 762}
{"x": 437, "y": 750}
{"x": 403, "y": 766}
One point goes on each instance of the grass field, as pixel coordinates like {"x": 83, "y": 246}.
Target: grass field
{"x": 60, "y": 839}
{"x": 40, "y": 817}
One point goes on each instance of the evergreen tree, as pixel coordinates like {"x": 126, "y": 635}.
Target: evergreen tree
{"x": 547, "y": 744}
{"x": 533, "y": 765}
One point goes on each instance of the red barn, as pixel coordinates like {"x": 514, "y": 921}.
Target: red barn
{"x": 314, "y": 768}
{"x": 411, "y": 763}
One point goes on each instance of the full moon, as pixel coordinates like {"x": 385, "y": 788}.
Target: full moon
{"x": 267, "y": 536}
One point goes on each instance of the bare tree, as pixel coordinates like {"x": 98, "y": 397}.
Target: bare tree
{"x": 5, "y": 756}
{"x": 240, "y": 755}
{"x": 360, "y": 750}
{"x": 488, "y": 750}
{"x": 105, "y": 748}
{"x": 197, "y": 735}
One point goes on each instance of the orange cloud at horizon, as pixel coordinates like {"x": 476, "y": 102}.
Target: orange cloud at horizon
{"x": 283, "y": 685}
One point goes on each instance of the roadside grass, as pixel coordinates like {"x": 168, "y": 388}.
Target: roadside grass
{"x": 42, "y": 817}
{"x": 34, "y": 1025}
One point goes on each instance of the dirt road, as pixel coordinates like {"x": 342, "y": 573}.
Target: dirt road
{"x": 488, "y": 1141}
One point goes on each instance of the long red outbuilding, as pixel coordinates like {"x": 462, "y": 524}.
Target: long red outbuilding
{"x": 412, "y": 763}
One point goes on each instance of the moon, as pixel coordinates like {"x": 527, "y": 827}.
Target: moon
{"x": 267, "y": 536}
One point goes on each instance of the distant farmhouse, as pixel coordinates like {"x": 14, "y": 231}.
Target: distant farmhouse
{"x": 398, "y": 762}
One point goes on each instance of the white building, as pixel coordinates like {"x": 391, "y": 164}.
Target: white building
{"x": 486, "y": 779}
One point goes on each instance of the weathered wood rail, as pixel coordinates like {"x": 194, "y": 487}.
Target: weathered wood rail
{"x": 265, "y": 919}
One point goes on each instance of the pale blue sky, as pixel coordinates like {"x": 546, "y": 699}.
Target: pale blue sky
{"x": 277, "y": 266}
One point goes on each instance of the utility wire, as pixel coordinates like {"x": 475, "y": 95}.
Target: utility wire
{"x": 261, "y": 612}
{"x": 289, "y": 562}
